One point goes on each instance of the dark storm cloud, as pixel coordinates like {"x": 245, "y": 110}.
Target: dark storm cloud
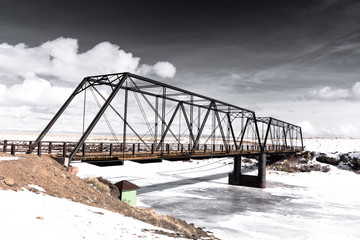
{"x": 242, "y": 42}
{"x": 253, "y": 53}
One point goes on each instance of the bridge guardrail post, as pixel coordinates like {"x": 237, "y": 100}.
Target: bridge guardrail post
{"x": 39, "y": 145}
{"x": 111, "y": 149}
{"x": 152, "y": 148}
{"x": 5, "y": 146}
{"x": 30, "y": 146}
{"x": 49, "y": 147}
{"x": 84, "y": 149}
{"x": 133, "y": 149}
{"x": 13, "y": 149}
{"x": 64, "y": 149}
{"x": 168, "y": 148}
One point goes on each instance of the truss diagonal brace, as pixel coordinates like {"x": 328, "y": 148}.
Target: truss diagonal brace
{"x": 188, "y": 123}
{"x": 221, "y": 128}
{"x": 123, "y": 119}
{"x": 243, "y": 133}
{"x": 58, "y": 114}
{"x": 202, "y": 126}
{"x": 267, "y": 133}
{"x": 97, "y": 117}
{"x": 258, "y": 134}
{"x": 232, "y": 131}
{"x": 168, "y": 127}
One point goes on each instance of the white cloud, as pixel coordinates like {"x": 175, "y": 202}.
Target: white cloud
{"x": 162, "y": 69}
{"x": 337, "y": 130}
{"x": 60, "y": 58}
{"x": 355, "y": 91}
{"x": 307, "y": 128}
{"x": 30, "y": 103}
{"x": 329, "y": 94}
{"x": 341, "y": 130}
{"x": 33, "y": 92}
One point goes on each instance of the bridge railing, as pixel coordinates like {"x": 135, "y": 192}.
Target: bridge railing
{"x": 63, "y": 149}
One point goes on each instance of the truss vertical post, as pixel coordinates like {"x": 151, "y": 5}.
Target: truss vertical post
{"x": 163, "y": 112}
{"x": 228, "y": 130}
{"x": 156, "y": 119}
{"x": 267, "y": 133}
{"x": 199, "y": 117}
{"x": 125, "y": 119}
{"x": 285, "y": 133}
{"x": 302, "y": 143}
{"x": 214, "y": 129}
{"x": 191, "y": 115}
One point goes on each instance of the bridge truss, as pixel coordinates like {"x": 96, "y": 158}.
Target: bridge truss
{"x": 164, "y": 120}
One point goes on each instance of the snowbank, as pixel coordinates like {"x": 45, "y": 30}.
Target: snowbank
{"x": 26, "y": 215}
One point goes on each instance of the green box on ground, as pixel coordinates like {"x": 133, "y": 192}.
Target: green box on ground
{"x": 127, "y": 192}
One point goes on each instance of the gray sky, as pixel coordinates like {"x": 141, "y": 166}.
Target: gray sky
{"x": 293, "y": 60}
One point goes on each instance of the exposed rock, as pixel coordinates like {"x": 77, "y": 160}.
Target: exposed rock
{"x": 247, "y": 160}
{"x": 323, "y": 158}
{"x": 350, "y": 160}
{"x": 9, "y": 181}
{"x": 114, "y": 190}
{"x": 355, "y": 163}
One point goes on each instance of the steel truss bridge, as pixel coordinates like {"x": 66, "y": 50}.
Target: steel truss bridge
{"x": 151, "y": 120}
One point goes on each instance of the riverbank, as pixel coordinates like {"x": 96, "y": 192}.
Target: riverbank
{"x": 29, "y": 175}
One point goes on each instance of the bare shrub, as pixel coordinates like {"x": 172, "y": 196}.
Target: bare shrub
{"x": 98, "y": 185}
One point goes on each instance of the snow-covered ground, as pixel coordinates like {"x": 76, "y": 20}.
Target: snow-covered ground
{"x": 26, "y": 215}
{"x": 312, "y": 205}
{"x": 330, "y": 145}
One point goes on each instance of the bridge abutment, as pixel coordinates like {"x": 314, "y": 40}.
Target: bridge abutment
{"x": 239, "y": 179}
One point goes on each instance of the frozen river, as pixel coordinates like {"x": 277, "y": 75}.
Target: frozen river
{"x": 293, "y": 206}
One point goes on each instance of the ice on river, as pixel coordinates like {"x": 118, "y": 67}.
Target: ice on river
{"x": 312, "y": 205}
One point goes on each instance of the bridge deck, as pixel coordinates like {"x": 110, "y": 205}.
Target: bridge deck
{"x": 171, "y": 156}
{"x": 106, "y": 151}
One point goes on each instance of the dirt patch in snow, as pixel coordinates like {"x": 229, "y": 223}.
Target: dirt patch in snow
{"x": 297, "y": 163}
{"x": 30, "y": 170}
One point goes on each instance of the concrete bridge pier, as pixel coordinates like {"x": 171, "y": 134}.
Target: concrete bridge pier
{"x": 237, "y": 178}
